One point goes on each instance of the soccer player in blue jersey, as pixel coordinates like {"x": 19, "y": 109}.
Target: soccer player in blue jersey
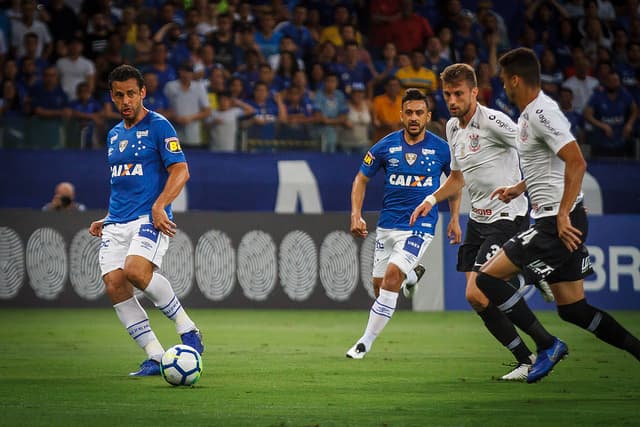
{"x": 148, "y": 171}
{"x": 413, "y": 160}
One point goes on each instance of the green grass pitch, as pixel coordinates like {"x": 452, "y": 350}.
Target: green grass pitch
{"x": 287, "y": 368}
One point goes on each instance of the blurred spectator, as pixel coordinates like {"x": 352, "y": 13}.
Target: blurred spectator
{"x": 189, "y": 106}
{"x": 300, "y": 82}
{"x": 244, "y": 16}
{"x": 249, "y": 72}
{"x": 313, "y": 25}
{"x": 384, "y": 68}
{"x": 574, "y": 9}
{"x": 386, "y": 109}
{"x": 436, "y": 61}
{"x": 485, "y": 89}
{"x": 582, "y": 85}
{"x": 333, "y": 33}
{"x": 630, "y": 69}
{"x": 49, "y": 101}
{"x": 269, "y": 109}
{"x": 208, "y": 58}
{"x": 223, "y": 122}
{"x": 160, "y": 66}
{"x": 63, "y": 22}
{"x": 267, "y": 40}
{"x": 551, "y": 76}
{"x": 354, "y": 136}
{"x": 50, "y": 108}
{"x": 29, "y": 24}
{"x": 155, "y": 99}
{"x": 466, "y": 31}
{"x": 300, "y": 113}
{"x": 331, "y": 111}
{"x": 316, "y": 77}
{"x": 193, "y": 55}
{"x": 266, "y": 75}
{"x": 215, "y": 85}
{"x": 286, "y": 45}
{"x": 416, "y": 75}
{"x": 411, "y": 31}
{"x": 75, "y": 69}
{"x": 491, "y": 22}
{"x": 300, "y": 34}
{"x": 446, "y": 39}
{"x": 383, "y": 14}
{"x": 208, "y": 13}
{"x": 224, "y": 43}
{"x": 31, "y": 52}
{"x": 348, "y": 32}
{"x": 284, "y": 74}
{"x": 544, "y": 15}
{"x": 565, "y": 101}
{"x": 237, "y": 88}
{"x": 613, "y": 113}
{"x": 12, "y": 116}
{"x": 594, "y": 38}
{"x": 355, "y": 70}
{"x": 64, "y": 199}
{"x": 97, "y": 37}
{"x": 143, "y": 45}
{"x": 87, "y": 113}
{"x": 28, "y": 78}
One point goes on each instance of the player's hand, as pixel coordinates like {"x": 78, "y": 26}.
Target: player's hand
{"x": 570, "y": 236}
{"x": 95, "y": 229}
{"x": 162, "y": 222}
{"x": 358, "y": 226}
{"x": 421, "y": 210}
{"x": 505, "y": 194}
{"x": 454, "y": 232}
{"x": 608, "y": 131}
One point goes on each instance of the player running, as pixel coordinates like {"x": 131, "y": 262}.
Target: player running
{"x": 553, "y": 248}
{"x": 484, "y": 157}
{"x": 413, "y": 160}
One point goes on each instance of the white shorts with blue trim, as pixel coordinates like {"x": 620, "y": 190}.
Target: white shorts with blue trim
{"x": 137, "y": 237}
{"x": 404, "y": 248}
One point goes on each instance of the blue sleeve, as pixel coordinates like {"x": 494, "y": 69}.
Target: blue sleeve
{"x": 446, "y": 166}
{"x": 373, "y": 160}
{"x": 167, "y": 143}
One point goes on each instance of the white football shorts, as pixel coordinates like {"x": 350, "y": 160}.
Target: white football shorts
{"x": 137, "y": 237}
{"x": 400, "y": 247}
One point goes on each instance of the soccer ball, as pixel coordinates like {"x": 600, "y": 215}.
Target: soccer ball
{"x": 181, "y": 365}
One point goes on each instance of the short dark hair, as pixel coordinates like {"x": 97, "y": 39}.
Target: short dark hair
{"x": 455, "y": 73}
{"x": 125, "y": 72}
{"x": 522, "y": 62}
{"x": 413, "y": 94}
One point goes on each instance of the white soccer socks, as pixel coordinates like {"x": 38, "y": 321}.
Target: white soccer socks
{"x": 135, "y": 320}
{"x": 160, "y": 292}
{"x": 381, "y": 311}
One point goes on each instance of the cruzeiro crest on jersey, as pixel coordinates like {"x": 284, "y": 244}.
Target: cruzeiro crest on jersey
{"x": 410, "y": 158}
{"x": 122, "y": 145}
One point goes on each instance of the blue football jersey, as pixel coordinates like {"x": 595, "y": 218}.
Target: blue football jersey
{"x": 412, "y": 172}
{"x": 138, "y": 162}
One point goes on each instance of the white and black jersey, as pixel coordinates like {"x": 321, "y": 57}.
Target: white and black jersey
{"x": 542, "y": 131}
{"x": 485, "y": 152}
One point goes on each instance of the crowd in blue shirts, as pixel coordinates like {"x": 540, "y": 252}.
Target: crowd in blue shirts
{"x": 297, "y": 70}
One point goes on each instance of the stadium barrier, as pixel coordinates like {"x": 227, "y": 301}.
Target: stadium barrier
{"x": 268, "y": 260}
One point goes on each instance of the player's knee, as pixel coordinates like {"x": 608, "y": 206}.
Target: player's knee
{"x": 579, "y": 313}
{"x": 476, "y": 299}
{"x": 136, "y": 276}
{"x": 393, "y": 278}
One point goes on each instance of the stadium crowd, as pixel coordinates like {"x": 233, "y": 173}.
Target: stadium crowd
{"x": 323, "y": 75}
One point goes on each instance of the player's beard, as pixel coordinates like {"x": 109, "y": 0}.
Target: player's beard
{"x": 421, "y": 129}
